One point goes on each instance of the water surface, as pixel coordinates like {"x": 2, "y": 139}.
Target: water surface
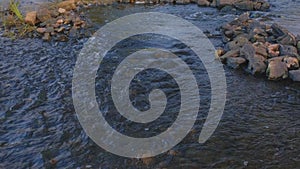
{"x": 260, "y": 127}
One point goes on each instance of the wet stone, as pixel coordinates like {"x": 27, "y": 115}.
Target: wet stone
{"x": 203, "y": 2}
{"x": 295, "y": 75}
{"x": 256, "y": 63}
{"x": 231, "y": 53}
{"x": 46, "y": 37}
{"x": 235, "y": 62}
{"x": 228, "y": 9}
{"x": 273, "y": 50}
{"x": 291, "y": 62}
{"x": 182, "y": 1}
{"x": 44, "y": 14}
{"x": 277, "y": 69}
{"x": 288, "y": 39}
{"x": 67, "y": 5}
{"x": 288, "y": 50}
{"x": 278, "y": 30}
{"x": 260, "y": 49}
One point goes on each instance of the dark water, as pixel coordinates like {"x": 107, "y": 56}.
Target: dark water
{"x": 288, "y": 13}
{"x": 260, "y": 127}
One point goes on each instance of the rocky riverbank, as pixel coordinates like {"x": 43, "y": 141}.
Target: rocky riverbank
{"x": 58, "y": 21}
{"x": 62, "y": 20}
{"x": 259, "y": 48}
{"x": 250, "y": 44}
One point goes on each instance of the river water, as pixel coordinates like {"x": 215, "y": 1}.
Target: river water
{"x": 260, "y": 127}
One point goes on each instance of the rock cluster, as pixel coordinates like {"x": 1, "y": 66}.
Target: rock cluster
{"x": 58, "y": 21}
{"x": 260, "y": 48}
{"x": 62, "y": 20}
{"x": 247, "y": 5}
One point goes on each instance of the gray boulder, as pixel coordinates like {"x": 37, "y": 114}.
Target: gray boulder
{"x": 231, "y": 53}
{"x": 295, "y": 75}
{"x": 256, "y": 63}
{"x": 237, "y": 43}
{"x": 235, "y": 62}
{"x": 288, "y": 50}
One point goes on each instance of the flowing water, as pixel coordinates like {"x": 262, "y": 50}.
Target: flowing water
{"x": 288, "y": 13}
{"x": 260, "y": 127}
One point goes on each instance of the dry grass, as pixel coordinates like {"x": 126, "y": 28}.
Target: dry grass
{"x": 14, "y": 8}
{"x": 13, "y": 22}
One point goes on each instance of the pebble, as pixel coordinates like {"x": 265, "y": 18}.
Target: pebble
{"x": 61, "y": 10}
{"x": 60, "y": 21}
{"x": 46, "y": 37}
{"x": 53, "y": 161}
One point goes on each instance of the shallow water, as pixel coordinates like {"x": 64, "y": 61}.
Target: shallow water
{"x": 288, "y": 12}
{"x": 260, "y": 127}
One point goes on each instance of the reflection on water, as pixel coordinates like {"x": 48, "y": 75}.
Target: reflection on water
{"x": 260, "y": 127}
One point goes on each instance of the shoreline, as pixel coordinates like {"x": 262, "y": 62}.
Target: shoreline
{"x": 63, "y": 17}
{"x": 250, "y": 50}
